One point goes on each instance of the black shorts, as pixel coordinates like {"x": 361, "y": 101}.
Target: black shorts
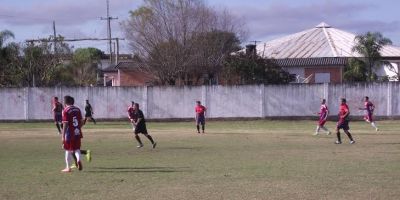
{"x": 88, "y": 115}
{"x": 141, "y": 129}
{"x": 343, "y": 125}
{"x": 200, "y": 120}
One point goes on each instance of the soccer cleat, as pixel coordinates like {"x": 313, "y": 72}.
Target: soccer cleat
{"x": 66, "y": 170}
{"x": 140, "y": 146}
{"x": 352, "y": 142}
{"x": 80, "y": 167}
{"x": 88, "y": 156}
{"x": 154, "y": 145}
{"x": 338, "y": 142}
{"x": 316, "y": 133}
{"x": 377, "y": 129}
{"x": 73, "y": 166}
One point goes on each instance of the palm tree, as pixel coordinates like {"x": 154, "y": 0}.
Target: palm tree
{"x": 4, "y": 54}
{"x": 369, "y": 46}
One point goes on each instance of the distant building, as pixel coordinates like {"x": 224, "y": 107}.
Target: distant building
{"x": 319, "y": 55}
{"x": 127, "y": 73}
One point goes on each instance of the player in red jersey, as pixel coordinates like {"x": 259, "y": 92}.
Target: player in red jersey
{"x": 131, "y": 115}
{"x": 369, "y": 111}
{"x": 72, "y": 133}
{"x": 343, "y": 122}
{"x": 323, "y": 116}
{"x": 57, "y": 111}
{"x": 200, "y": 116}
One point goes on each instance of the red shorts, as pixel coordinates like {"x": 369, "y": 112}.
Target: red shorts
{"x": 368, "y": 118}
{"x": 321, "y": 122}
{"x": 72, "y": 145}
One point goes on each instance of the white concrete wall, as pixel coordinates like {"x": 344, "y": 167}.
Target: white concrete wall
{"x": 221, "y": 101}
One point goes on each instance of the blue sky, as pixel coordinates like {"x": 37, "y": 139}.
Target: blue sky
{"x": 265, "y": 19}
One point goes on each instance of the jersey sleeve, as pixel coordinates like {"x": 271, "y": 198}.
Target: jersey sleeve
{"x": 64, "y": 116}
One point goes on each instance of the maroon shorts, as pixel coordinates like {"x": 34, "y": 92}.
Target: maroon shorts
{"x": 368, "y": 117}
{"x": 72, "y": 145}
{"x": 321, "y": 122}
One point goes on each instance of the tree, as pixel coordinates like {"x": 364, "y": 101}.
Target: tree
{"x": 253, "y": 69}
{"x": 355, "y": 71}
{"x": 7, "y": 53}
{"x": 83, "y": 68}
{"x": 369, "y": 46}
{"x": 165, "y": 34}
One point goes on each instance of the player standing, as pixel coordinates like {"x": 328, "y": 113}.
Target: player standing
{"x": 140, "y": 127}
{"x": 200, "y": 116}
{"x": 57, "y": 111}
{"x": 343, "y": 122}
{"x": 72, "y": 133}
{"x": 323, "y": 116}
{"x": 369, "y": 111}
{"x": 89, "y": 112}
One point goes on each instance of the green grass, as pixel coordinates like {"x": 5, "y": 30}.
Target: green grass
{"x": 234, "y": 160}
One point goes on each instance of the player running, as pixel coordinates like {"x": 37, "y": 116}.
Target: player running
{"x": 369, "y": 111}
{"x": 131, "y": 115}
{"x": 89, "y": 112}
{"x": 72, "y": 133}
{"x": 57, "y": 111}
{"x": 140, "y": 126}
{"x": 200, "y": 116}
{"x": 323, "y": 116}
{"x": 343, "y": 122}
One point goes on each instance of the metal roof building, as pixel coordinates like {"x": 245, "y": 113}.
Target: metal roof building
{"x": 319, "y": 54}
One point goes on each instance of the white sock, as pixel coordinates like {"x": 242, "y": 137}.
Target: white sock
{"x": 373, "y": 124}
{"x": 317, "y": 131}
{"x": 78, "y": 155}
{"x": 325, "y": 129}
{"x": 67, "y": 158}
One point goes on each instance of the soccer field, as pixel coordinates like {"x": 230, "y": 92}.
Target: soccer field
{"x": 234, "y": 160}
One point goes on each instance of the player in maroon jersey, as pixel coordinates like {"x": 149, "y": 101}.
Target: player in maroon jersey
{"x": 343, "y": 122}
{"x": 200, "y": 116}
{"x": 323, "y": 115}
{"x": 131, "y": 115}
{"x": 72, "y": 133}
{"x": 369, "y": 111}
{"x": 57, "y": 111}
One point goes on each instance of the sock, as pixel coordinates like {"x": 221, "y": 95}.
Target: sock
{"x": 373, "y": 125}
{"x": 58, "y": 127}
{"x": 138, "y": 139}
{"x": 317, "y": 130}
{"x": 78, "y": 155}
{"x": 75, "y": 159}
{"x": 150, "y": 138}
{"x": 338, "y": 136}
{"x": 349, "y": 135}
{"x": 203, "y": 127}
{"x": 67, "y": 158}
{"x": 198, "y": 128}
{"x": 325, "y": 129}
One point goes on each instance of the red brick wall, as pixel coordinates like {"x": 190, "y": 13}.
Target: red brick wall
{"x": 336, "y": 73}
{"x": 134, "y": 78}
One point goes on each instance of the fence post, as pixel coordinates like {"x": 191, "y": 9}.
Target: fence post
{"x": 26, "y": 103}
{"x": 145, "y": 101}
{"x": 262, "y": 100}
{"x": 204, "y": 99}
{"x": 389, "y": 100}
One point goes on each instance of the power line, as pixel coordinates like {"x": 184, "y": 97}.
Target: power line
{"x": 109, "y": 18}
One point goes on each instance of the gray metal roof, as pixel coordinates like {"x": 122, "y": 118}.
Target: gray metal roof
{"x": 320, "y": 42}
{"x": 298, "y": 62}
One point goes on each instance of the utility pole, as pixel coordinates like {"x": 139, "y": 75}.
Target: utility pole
{"x": 55, "y": 37}
{"x": 109, "y": 18}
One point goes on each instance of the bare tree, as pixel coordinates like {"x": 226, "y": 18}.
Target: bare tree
{"x": 173, "y": 38}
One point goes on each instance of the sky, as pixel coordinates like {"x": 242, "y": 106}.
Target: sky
{"x": 264, "y": 19}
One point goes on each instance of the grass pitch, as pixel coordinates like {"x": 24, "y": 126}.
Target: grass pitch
{"x": 234, "y": 160}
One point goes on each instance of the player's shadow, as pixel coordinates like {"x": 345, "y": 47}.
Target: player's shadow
{"x": 138, "y": 169}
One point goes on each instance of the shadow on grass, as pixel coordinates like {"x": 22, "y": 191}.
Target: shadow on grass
{"x": 138, "y": 169}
